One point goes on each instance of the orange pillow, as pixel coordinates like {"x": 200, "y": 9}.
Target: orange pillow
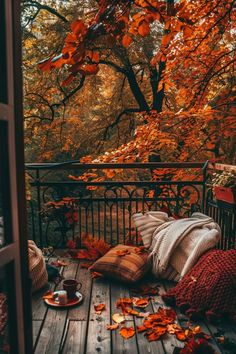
{"x": 125, "y": 263}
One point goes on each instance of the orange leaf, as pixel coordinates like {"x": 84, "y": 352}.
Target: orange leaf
{"x": 127, "y": 332}
{"x": 99, "y": 308}
{"x": 144, "y": 29}
{"x": 140, "y": 302}
{"x": 156, "y": 333}
{"x": 180, "y": 335}
{"x": 140, "y": 250}
{"x": 122, "y": 253}
{"x": 141, "y": 329}
{"x": 78, "y": 27}
{"x": 48, "y": 295}
{"x": 127, "y": 40}
{"x": 132, "y": 312}
{"x": 112, "y": 327}
{"x": 95, "y": 275}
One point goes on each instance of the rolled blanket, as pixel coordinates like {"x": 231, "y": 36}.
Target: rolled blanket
{"x": 37, "y": 267}
{"x": 176, "y": 245}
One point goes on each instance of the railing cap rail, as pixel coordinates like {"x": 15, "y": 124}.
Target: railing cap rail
{"x": 87, "y": 166}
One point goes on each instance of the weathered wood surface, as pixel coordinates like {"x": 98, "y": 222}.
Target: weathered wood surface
{"x": 80, "y": 330}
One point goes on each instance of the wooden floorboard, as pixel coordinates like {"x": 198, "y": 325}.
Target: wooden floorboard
{"x": 80, "y": 330}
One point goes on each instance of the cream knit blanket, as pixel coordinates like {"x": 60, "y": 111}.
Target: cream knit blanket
{"x": 176, "y": 245}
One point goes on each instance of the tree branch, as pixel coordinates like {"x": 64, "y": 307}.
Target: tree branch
{"x": 118, "y": 118}
{"x": 40, "y": 7}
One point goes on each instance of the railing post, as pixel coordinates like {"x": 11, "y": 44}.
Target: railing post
{"x": 204, "y": 172}
{"x": 39, "y": 207}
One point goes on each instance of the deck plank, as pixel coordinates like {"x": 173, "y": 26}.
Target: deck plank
{"x": 81, "y": 312}
{"x": 98, "y": 337}
{"x": 169, "y": 341}
{"x": 144, "y": 345}
{"x": 120, "y": 345}
{"x": 86, "y": 331}
{"x": 54, "y": 321}
{"x": 36, "y": 329}
{"x": 52, "y": 332}
{"x": 75, "y": 338}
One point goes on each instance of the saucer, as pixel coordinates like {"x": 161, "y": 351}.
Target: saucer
{"x": 71, "y": 302}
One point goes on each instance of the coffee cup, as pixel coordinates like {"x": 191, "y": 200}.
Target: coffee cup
{"x": 71, "y": 286}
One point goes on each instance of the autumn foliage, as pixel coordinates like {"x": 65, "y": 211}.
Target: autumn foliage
{"x": 190, "y": 111}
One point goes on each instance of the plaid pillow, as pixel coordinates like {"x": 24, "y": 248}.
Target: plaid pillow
{"x": 129, "y": 267}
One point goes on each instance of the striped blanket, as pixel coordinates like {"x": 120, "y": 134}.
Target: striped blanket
{"x": 176, "y": 245}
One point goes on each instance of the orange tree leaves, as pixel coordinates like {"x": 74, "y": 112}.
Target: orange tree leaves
{"x": 197, "y": 79}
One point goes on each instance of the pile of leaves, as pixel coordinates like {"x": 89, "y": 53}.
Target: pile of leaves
{"x": 155, "y": 325}
{"x": 93, "y": 249}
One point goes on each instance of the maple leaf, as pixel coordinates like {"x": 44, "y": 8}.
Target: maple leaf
{"x": 155, "y": 333}
{"x": 112, "y": 327}
{"x": 99, "y": 308}
{"x": 127, "y": 40}
{"x": 48, "y": 295}
{"x": 127, "y": 332}
{"x": 95, "y": 275}
{"x": 122, "y": 253}
{"x": 141, "y": 329}
{"x": 139, "y": 302}
{"x": 118, "y": 318}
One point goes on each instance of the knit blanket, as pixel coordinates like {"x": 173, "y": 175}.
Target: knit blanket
{"x": 209, "y": 288}
{"x": 176, "y": 245}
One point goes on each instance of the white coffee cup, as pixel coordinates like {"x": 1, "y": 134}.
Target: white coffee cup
{"x": 61, "y": 297}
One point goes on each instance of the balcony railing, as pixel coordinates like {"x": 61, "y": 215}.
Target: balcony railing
{"x": 104, "y": 208}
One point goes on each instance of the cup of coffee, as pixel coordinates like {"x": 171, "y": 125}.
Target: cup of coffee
{"x": 61, "y": 297}
{"x": 71, "y": 286}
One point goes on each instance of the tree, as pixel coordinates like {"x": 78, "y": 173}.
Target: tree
{"x": 177, "y": 61}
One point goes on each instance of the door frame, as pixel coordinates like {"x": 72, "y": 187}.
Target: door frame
{"x": 14, "y": 255}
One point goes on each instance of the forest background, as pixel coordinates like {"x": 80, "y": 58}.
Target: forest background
{"x": 129, "y": 80}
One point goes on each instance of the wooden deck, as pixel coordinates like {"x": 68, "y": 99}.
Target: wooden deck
{"x": 79, "y": 330}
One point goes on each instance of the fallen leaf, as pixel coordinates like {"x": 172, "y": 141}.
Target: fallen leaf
{"x": 132, "y": 312}
{"x": 156, "y": 333}
{"x": 48, "y": 295}
{"x": 143, "y": 314}
{"x": 99, "y": 308}
{"x": 118, "y": 318}
{"x": 141, "y": 329}
{"x": 140, "y": 250}
{"x": 122, "y": 253}
{"x": 124, "y": 301}
{"x": 139, "y": 302}
{"x": 112, "y": 327}
{"x": 95, "y": 275}
{"x": 181, "y": 335}
{"x": 127, "y": 332}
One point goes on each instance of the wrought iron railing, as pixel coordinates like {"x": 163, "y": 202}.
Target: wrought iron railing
{"x": 104, "y": 208}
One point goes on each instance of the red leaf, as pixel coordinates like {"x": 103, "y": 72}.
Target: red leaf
{"x": 127, "y": 40}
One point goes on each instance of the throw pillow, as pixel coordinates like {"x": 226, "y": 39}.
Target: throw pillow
{"x": 209, "y": 288}
{"x": 125, "y": 263}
